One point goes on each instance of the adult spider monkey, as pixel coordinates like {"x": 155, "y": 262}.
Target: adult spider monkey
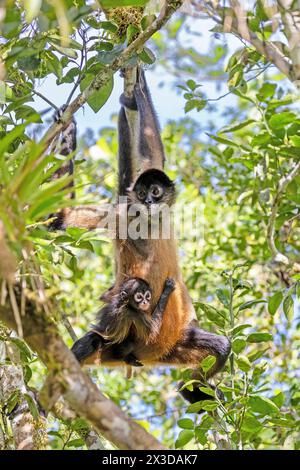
{"x": 179, "y": 342}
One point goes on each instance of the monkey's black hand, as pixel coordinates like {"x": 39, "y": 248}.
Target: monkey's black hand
{"x": 131, "y": 360}
{"x": 170, "y": 284}
{"x": 128, "y": 102}
{"x": 124, "y": 295}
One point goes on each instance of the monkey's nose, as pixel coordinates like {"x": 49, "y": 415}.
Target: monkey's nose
{"x": 148, "y": 201}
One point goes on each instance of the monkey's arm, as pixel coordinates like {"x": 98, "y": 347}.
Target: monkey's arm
{"x": 158, "y": 312}
{"x": 125, "y": 351}
{"x": 89, "y": 217}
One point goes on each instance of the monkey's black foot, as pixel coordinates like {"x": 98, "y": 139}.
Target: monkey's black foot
{"x": 59, "y": 112}
{"x": 195, "y": 395}
{"x": 86, "y": 346}
{"x": 133, "y": 361}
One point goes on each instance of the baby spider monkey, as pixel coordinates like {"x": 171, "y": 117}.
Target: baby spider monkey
{"x": 126, "y": 317}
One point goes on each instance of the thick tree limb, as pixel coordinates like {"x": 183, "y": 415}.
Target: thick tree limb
{"x": 282, "y": 185}
{"x": 290, "y": 13}
{"x": 28, "y": 433}
{"x": 78, "y": 389}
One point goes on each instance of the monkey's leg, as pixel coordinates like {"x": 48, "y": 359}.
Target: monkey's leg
{"x": 127, "y": 160}
{"x": 87, "y": 346}
{"x": 195, "y": 345}
{"x": 132, "y": 360}
{"x": 125, "y": 351}
{"x": 150, "y": 143}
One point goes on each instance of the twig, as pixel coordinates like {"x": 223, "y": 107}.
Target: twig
{"x": 282, "y": 185}
{"x": 79, "y": 78}
{"x": 45, "y": 99}
{"x": 68, "y": 327}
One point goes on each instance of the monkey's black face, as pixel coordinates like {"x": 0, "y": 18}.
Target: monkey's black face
{"x": 137, "y": 293}
{"x": 152, "y": 195}
{"x": 153, "y": 187}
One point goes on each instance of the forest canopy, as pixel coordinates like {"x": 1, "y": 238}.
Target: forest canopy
{"x": 233, "y": 149}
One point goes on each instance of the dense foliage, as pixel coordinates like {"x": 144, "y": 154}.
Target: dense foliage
{"x": 232, "y": 174}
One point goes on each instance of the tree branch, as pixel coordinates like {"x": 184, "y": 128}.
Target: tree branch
{"x": 282, "y": 185}
{"x": 170, "y": 6}
{"x": 78, "y": 389}
{"x": 238, "y": 25}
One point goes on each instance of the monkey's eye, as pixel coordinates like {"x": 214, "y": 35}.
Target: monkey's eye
{"x": 156, "y": 190}
{"x": 138, "y": 297}
{"x": 148, "y": 295}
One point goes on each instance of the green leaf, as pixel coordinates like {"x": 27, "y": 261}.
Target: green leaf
{"x": 279, "y": 399}
{"x": 250, "y": 304}
{"x": 274, "y": 302}
{"x": 208, "y": 391}
{"x": 224, "y": 141}
{"x": 109, "y": 26}
{"x": 191, "y": 84}
{"x": 32, "y": 406}
{"x": 257, "y": 354}
{"x": 12, "y": 401}
{"x": 122, "y": 3}
{"x": 75, "y": 443}
{"x": 259, "y": 337}
{"x": 184, "y": 438}
{"x": 237, "y": 127}
{"x": 266, "y": 91}
{"x": 288, "y": 307}
{"x": 281, "y": 120}
{"x": 212, "y": 314}
{"x": 131, "y": 32}
{"x": 147, "y": 56}
{"x": 295, "y": 139}
{"x": 244, "y": 363}
{"x": 262, "y": 405}
{"x": 29, "y": 64}
{"x": 238, "y": 345}
{"x": 22, "y": 346}
{"x": 207, "y": 363}
{"x": 98, "y": 98}
{"x": 238, "y": 329}
{"x": 223, "y": 296}
{"x": 185, "y": 423}
{"x": 251, "y": 424}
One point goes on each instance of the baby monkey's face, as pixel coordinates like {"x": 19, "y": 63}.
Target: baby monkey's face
{"x": 137, "y": 293}
{"x": 141, "y": 299}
